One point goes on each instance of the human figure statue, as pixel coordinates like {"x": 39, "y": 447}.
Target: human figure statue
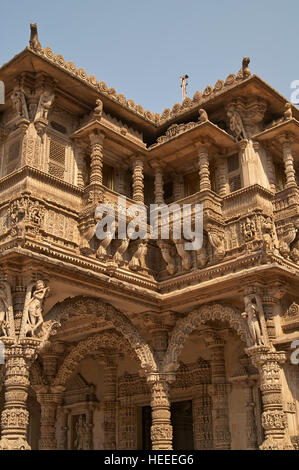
{"x": 3, "y": 312}
{"x": 252, "y": 315}
{"x": 80, "y": 436}
{"x": 19, "y": 102}
{"x": 35, "y": 306}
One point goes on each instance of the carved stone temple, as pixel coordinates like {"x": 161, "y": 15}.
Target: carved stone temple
{"x": 142, "y": 344}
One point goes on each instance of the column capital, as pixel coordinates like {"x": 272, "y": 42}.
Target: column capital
{"x": 96, "y": 137}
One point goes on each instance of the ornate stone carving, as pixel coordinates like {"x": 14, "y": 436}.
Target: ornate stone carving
{"x": 77, "y": 305}
{"x": 273, "y": 418}
{"x": 19, "y": 102}
{"x": 252, "y": 314}
{"x": 168, "y": 256}
{"x": 33, "y": 307}
{"x": 198, "y": 317}
{"x": 34, "y": 42}
{"x": 216, "y": 238}
{"x": 138, "y": 259}
{"x": 183, "y": 254}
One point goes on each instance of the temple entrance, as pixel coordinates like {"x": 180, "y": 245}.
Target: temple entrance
{"x": 182, "y": 422}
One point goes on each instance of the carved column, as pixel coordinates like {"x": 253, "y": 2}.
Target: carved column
{"x": 270, "y": 167}
{"x": 250, "y": 416}
{"x": 80, "y": 158}
{"x": 161, "y": 430}
{"x": 159, "y": 192}
{"x": 65, "y": 428}
{"x": 96, "y": 164}
{"x": 138, "y": 186}
{"x": 110, "y": 405}
{"x": 286, "y": 141}
{"x": 202, "y": 418}
{"x": 219, "y": 390}
{"x": 49, "y": 399}
{"x": 204, "y": 171}
{"x": 222, "y": 177}
{"x": 274, "y": 421}
{"x": 15, "y": 417}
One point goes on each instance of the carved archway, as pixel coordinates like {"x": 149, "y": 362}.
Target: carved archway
{"x": 89, "y": 347}
{"x": 196, "y": 318}
{"x": 84, "y": 306}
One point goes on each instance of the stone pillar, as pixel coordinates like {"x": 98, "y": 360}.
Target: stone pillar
{"x": 222, "y": 177}
{"x": 110, "y": 405}
{"x": 138, "y": 187}
{"x": 202, "y": 418}
{"x": 270, "y": 167}
{"x": 274, "y": 421}
{"x": 15, "y": 417}
{"x": 65, "y": 427}
{"x": 80, "y": 159}
{"x": 161, "y": 430}
{"x": 250, "y": 416}
{"x": 178, "y": 187}
{"x": 286, "y": 141}
{"x": 204, "y": 172}
{"x": 96, "y": 157}
{"x": 127, "y": 424}
{"x": 159, "y": 192}
{"x": 49, "y": 399}
{"x": 219, "y": 390}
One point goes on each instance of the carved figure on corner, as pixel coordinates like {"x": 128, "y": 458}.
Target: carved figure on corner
{"x": 33, "y": 308}
{"x": 138, "y": 258}
{"x": 19, "y": 102}
{"x": 4, "y": 325}
{"x": 203, "y": 116}
{"x": 34, "y": 42}
{"x": 45, "y": 102}
{"x": 252, "y": 315}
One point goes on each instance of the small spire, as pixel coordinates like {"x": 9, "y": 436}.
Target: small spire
{"x": 34, "y": 42}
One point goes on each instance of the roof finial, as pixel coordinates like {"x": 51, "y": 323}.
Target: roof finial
{"x": 184, "y": 84}
{"x": 34, "y": 42}
{"x": 245, "y": 67}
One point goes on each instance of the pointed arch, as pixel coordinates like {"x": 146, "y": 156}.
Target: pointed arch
{"x": 196, "y": 318}
{"x": 84, "y": 306}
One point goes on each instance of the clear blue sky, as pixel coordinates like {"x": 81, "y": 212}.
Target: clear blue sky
{"x": 142, "y": 47}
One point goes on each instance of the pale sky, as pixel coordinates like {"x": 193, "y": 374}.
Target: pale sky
{"x": 141, "y": 48}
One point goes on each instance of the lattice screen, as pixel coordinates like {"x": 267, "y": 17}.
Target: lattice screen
{"x": 57, "y": 159}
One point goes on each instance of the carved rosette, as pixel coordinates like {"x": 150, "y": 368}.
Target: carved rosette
{"x": 269, "y": 364}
